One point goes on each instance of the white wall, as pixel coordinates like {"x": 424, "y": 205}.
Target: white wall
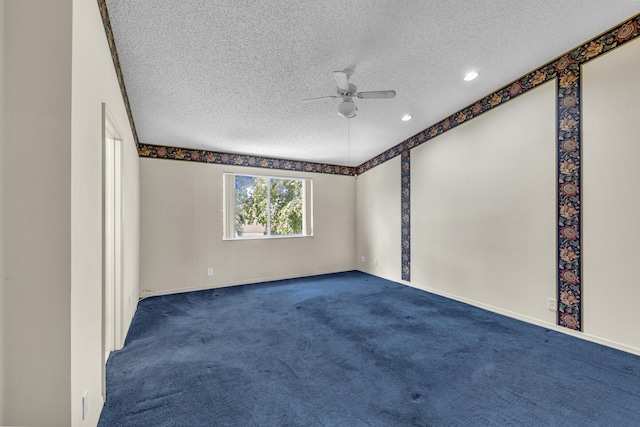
{"x": 95, "y": 82}
{"x": 57, "y": 73}
{"x": 378, "y": 220}
{"x": 611, "y": 201}
{"x": 37, "y": 212}
{"x": 181, "y": 230}
{"x": 483, "y": 209}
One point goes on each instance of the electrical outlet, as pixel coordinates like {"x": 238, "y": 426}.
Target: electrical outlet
{"x": 210, "y": 272}
{"x": 85, "y": 404}
{"x": 362, "y": 258}
{"x": 129, "y": 301}
{"x": 552, "y": 304}
{"x": 375, "y": 261}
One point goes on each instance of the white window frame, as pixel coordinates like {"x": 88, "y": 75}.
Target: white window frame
{"x": 229, "y": 208}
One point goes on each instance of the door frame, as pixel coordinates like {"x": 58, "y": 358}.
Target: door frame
{"x": 112, "y": 247}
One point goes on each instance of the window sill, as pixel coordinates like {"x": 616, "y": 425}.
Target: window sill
{"x": 265, "y": 237}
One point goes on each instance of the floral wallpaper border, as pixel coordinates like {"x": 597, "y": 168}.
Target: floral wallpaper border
{"x": 566, "y": 69}
{"x": 204, "y": 156}
{"x": 569, "y": 62}
{"x": 106, "y": 22}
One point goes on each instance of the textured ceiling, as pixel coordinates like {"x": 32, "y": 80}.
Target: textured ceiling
{"x": 230, "y": 75}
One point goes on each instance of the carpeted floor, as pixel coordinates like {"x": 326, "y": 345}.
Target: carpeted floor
{"x": 352, "y": 349}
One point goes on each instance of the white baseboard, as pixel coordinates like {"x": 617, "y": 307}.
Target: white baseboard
{"x": 534, "y": 321}
{"x": 145, "y": 293}
{"x": 383, "y": 276}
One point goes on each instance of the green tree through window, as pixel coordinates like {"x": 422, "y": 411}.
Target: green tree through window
{"x": 271, "y": 205}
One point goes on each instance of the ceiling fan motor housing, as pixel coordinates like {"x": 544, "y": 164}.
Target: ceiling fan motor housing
{"x": 353, "y": 91}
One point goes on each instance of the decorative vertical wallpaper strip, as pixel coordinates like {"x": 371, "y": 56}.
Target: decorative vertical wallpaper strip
{"x": 569, "y": 200}
{"x": 106, "y": 22}
{"x": 570, "y": 290}
{"x": 204, "y": 156}
{"x": 405, "y": 212}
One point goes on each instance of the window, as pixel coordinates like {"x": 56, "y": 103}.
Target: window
{"x": 266, "y": 206}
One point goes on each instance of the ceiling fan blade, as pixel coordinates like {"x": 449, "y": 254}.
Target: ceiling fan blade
{"x": 319, "y": 97}
{"x": 342, "y": 80}
{"x": 377, "y": 94}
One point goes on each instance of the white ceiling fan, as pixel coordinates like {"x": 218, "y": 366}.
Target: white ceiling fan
{"x": 347, "y": 91}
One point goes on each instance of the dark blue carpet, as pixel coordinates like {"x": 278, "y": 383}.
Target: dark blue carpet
{"x": 352, "y": 349}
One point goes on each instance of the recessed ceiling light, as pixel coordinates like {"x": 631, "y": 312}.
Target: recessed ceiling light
{"x": 470, "y": 76}
{"x": 407, "y": 117}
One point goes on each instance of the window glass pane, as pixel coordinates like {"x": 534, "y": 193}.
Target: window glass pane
{"x": 266, "y": 206}
{"x": 286, "y": 206}
{"x": 251, "y": 206}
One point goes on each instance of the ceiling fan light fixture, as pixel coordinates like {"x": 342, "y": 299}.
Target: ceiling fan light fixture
{"x": 406, "y": 117}
{"x": 347, "y": 109}
{"x": 470, "y": 76}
